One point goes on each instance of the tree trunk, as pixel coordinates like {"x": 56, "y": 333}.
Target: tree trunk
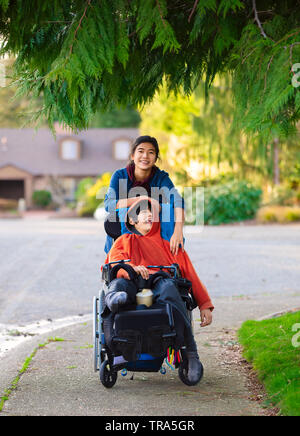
{"x": 276, "y": 171}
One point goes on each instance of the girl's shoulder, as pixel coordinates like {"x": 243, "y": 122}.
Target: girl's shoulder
{"x": 120, "y": 173}
{"x": 159, "y": 177}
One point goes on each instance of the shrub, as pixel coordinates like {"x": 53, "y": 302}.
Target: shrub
{"x": 87, "y": 193}
{"x": 86, "y": 211}
{"x": 82, "y": 188}
{"x": 280, "y": 214}
{"x": 293, "y": 214}
{"x": 230, "y": 202}
{"x": 281, "y": 195}
{"x": 41, "y": 198}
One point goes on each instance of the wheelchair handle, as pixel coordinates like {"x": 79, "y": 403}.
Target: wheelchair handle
{"x": 174, "y": 267}
{"x": 128, "y": 268}
{"x": 118, "y": 261}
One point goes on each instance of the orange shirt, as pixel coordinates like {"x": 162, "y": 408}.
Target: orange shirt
{"x": 152, "y": 249}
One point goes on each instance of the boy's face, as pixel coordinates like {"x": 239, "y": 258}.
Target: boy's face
{"x": 144, "y": 221}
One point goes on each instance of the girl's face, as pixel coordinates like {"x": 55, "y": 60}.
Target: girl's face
{"x": 144, "y": 156}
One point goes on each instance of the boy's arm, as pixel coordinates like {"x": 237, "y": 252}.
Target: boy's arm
{"x": 120, "y": 251}
{"x": 127, "y": 202}
{"x": 199, "y": 290}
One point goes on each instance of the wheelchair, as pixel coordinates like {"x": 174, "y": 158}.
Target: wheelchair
{"x": 139, "y": 339}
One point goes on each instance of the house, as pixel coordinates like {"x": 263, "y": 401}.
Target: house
{"x": 34, "y": 160}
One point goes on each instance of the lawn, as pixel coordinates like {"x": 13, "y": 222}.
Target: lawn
{"x": 273, "y": 348}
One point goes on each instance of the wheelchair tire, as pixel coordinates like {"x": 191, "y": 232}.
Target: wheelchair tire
{"x": 96, "y": 333}
{"x": 107, "y": 377}
{"x": 101, "y": 345}
{"x": 182, "y": 373}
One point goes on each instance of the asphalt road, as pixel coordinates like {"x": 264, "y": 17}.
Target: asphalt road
{"x": 50, "y": 269}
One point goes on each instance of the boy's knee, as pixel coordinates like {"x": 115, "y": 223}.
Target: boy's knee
{"x": 121, "y": 284}
{"x": 167, "y": 284}
{"x": 117, "y": 285}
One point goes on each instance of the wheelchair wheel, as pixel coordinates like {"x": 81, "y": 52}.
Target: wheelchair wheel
{"x": 107, "y": 377}
{"x": 96, "y": 332}
{"x": 183, "y": 374}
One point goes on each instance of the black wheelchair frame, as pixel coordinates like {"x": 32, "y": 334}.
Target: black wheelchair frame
{"x": 104, "y": 359}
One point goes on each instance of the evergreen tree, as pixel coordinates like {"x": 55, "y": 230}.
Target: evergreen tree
{"x": 127, "y": 117}
{"x": 15, "y": 111}
{"x": 200, "y": 143}
{"x": 82, "y": 54}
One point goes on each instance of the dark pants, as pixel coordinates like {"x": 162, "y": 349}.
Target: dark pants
{"x": 164, "y": 291}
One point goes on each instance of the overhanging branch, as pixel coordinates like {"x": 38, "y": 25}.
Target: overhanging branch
{"x": 256, "y": 17}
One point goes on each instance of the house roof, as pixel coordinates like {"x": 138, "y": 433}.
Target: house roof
{"x": 38, "y": 151}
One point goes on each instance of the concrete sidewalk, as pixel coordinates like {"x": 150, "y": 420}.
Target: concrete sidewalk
{"x": 60, "y": 379}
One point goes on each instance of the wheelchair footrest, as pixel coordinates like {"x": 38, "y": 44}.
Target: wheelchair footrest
{"x": 128, "y": 343}
{"x": 117, "y": 341}
{"x": 169, "y": 335}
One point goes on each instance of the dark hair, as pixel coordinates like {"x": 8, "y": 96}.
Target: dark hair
{"x": 142, "y": 139}
{"x": 135, "y": 211}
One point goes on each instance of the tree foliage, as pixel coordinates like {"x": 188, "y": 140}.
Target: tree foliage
{"x": 82, "y": 54}
{"x": 262, "y": 62}
{"x": 16, "y": 111}
{"x": 118, "y": 118}
{"x": 200, "y": 143}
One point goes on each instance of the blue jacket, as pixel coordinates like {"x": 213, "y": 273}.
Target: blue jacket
{"x": 162, "y": 182}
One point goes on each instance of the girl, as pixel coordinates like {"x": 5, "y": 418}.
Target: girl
{"x": 142, "y": 172}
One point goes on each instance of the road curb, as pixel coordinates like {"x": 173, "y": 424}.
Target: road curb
{"x": 277, "y": 314}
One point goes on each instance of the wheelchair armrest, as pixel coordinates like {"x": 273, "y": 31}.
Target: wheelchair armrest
{"x": 185, "y": 289}
{"x": 122, "y": 265}
{"x": 106, "y": 274}
{"x": 190, "y": 301}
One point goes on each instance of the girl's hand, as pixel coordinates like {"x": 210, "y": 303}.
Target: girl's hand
{"x": 142, "y": 270}
{"x": 176, "y": 239}
{"x": 206, "y": 317}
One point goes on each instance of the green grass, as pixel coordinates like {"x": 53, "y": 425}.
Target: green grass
{"x": 273, "y": 348}
{"x": 14, "y": 384}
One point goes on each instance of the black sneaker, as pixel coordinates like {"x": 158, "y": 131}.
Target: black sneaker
{"x": 194, "y": 367}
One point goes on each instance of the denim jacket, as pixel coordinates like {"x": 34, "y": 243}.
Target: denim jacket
{"x": 161, "y": 186}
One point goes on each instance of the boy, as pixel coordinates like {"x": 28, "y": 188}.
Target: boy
{"x": 145, "y": 246}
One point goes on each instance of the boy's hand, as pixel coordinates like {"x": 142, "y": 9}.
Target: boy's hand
{"x": 206, "y": 317}
{"x": 142, "y": 270}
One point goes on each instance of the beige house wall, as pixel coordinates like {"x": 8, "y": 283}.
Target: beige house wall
{"x": 40, "y": 183}
{"x": 61, "y": 188}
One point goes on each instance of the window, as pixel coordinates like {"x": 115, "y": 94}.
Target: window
{"x": 70, "y": 149}
{"x": 122, "y": 149}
